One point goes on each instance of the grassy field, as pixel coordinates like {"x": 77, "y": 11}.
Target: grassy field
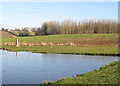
{"x": 104, "y": 44}
{"x": 107, "y": 74}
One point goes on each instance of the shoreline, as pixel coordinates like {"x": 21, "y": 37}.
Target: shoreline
{"x": 83, "y": 76}
{"x": 90, "y": 54}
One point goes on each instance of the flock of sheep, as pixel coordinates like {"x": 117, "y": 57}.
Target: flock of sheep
{"x": 39, "y": 44}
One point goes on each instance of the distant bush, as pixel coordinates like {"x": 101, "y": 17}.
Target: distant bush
{"x": 51, "y": 82}
{"x": 45, "y": 82}
{"x": 24, "y": 34}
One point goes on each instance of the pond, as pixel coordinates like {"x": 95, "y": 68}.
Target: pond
{"x": 34, "y": 68}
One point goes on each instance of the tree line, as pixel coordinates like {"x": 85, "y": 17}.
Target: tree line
{"x": 71, "y": 27}
{"x": 78, "y": 27}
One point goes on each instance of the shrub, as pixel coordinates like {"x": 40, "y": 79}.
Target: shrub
{"x": 51, "y": 82}
{"x": 103, "y": 67}
{"x": 96, "y": 70}
{"x": 45, "y": 82}
{"x": 113, "y": 63}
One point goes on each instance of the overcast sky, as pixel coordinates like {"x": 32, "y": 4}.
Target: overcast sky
{"x": 33, "y": 14}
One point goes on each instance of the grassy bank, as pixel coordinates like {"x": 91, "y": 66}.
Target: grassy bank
{"x": 113, "y": 51}
{"x": 107, "y": 74}
{"x": 88, "y": 44}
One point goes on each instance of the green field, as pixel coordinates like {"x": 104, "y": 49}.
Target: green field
{"x": 67, "y": 50}
{"x": 107, "y": 74}
{"x": 95, "y": 44}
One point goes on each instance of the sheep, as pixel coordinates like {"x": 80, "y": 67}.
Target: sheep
{"x": 31, "y": 44}
{"x": 24, "y": 44}
{"x": 67, "y": 44}
{"x": 61, "y": 44}
{"x": 50, "y": 44}
{"x": 37, "y": 44}
{"x": 28, "y": 44}
{"x": 5, "y": 43}
{"x": 9, "y": 44}
{"x": 43, "y": 44}
{"x": 71, "y": 44}
{"x": 12, "y": 44}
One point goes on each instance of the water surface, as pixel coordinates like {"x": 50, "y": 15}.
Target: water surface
{"x": 33, "y": 68}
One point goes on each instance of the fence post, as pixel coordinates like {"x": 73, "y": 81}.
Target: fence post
{"x": 17, "y": 45}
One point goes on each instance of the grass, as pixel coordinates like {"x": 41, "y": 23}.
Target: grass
{"x": 94, "y": 44}
{"x": 107, "y": 74}
{"x": 58, "y": 38}
{"x": 66, "y": 49}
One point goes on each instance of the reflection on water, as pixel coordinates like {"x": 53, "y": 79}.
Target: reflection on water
{"x": 33, "y": 68}
{"x": 16, "y": 54}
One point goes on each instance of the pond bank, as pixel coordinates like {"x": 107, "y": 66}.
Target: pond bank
{"x": 108, "y": 74}
{"x": 82, "y": 53}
